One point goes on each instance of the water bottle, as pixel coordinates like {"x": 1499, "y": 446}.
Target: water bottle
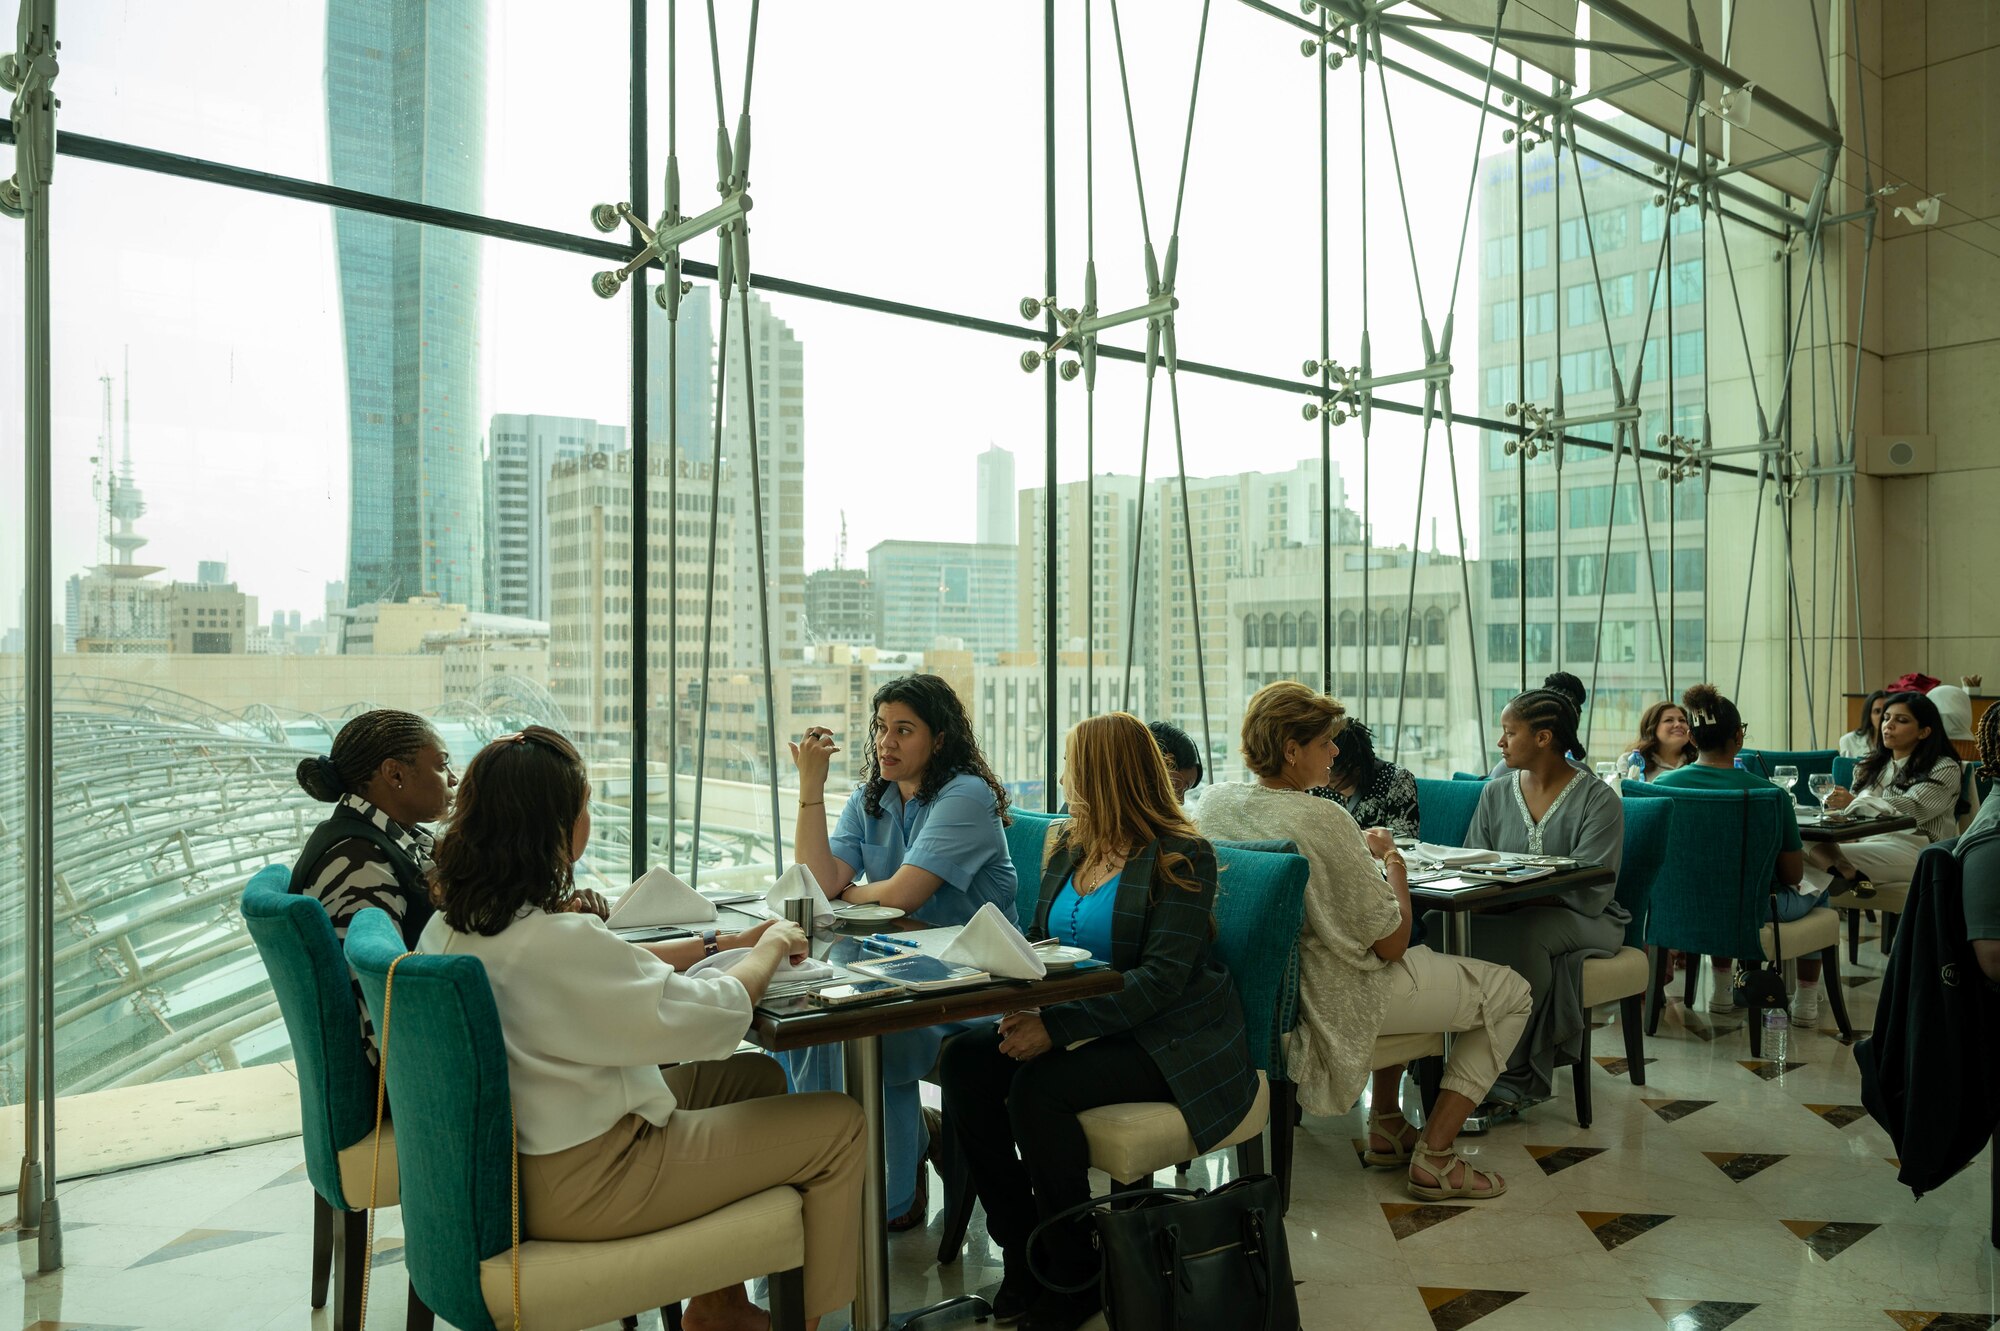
{"x": 1739, "y": 764}
{"x": 1776, "y": 1022}
{"x": 1635, "y": 768}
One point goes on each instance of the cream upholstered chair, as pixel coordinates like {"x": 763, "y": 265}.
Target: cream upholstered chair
{"x": 447, "y": 1071}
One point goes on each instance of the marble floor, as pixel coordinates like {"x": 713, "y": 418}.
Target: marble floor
{"x": 1726, "y": 1192}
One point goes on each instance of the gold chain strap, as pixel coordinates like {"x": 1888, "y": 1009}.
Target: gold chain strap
{"x": 375, "y": 1166}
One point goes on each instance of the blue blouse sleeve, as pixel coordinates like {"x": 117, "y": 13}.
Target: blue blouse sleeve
{"x": 850, "y": 832}
{"x": 961, "y": 834}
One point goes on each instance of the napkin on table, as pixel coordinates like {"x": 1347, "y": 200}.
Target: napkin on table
{"x": 809, "y": 971}
{"x": 1454, "y": 856}
{"x": 990, "y": 941}
{"x": 659, "y": 897}
{"x": 796, "y": 882}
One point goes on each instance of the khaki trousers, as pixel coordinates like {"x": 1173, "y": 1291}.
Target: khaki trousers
{"x": 735, "y": 1134}
{"x": 1484, "y": 1005}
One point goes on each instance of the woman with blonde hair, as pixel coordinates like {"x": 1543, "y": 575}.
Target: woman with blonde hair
{"x": 1360, "y": 976}
{"x": 1129, "y": 879}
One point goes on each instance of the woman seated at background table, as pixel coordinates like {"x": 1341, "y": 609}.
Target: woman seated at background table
{"x": 1978, "y": 852}
{"x": 1548, "y": 804}
{"x": 1912, "y": 772}
{"x": 1718, "y": 737}
{"x": 609, "y": 1146}
{"x": 1664, "y": 743}
{"x": 1128, "y": 878}
{"x": 1360, "y": 978}
{"x": 1570, "y": 687}
{"x": 924, "y": 834}
{"x": 1374, "y": 791}
{"x": 1860, "y": 741}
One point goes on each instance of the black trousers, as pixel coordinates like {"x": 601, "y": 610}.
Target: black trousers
{"x": 1017, "y": 1124}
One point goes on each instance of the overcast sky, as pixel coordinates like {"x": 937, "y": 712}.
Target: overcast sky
{"x": 898, "y": 152}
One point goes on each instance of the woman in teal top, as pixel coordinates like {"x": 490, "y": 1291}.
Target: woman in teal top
{"x": 925, "y": 834}
{"x": 1717, "y": 730}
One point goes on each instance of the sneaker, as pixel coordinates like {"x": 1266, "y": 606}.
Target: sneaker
{"x": 1805, "y": 1005}
{"x": 1725, "y": 1000}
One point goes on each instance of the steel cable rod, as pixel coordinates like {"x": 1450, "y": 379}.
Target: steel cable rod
{"x": 1194, "y": 583}
{"x": 1465, "y": 584}
{"x": 1402, "y": 195}
{"x": 1138, "y": 543}
{"x": 708, "y": 609}
{"x": 763, "y": 580}
{"x": 1750, "y": 578}
{"x": 1131, "y": 131}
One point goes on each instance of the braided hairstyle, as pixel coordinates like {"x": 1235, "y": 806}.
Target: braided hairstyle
{"x": 359, "y": 750}
{"x": 957, "y": 747}
{"x": 1712, "y": 719}
{"x": 1569, "y": 686}
{"x": 1553, "y": 710}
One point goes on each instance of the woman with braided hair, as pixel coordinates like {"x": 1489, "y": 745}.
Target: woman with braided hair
{"x": 1546, "y": 803}
{"x": 1978, "y": 852}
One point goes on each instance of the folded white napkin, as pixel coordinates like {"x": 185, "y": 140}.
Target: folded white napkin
{"x": 810, "y": 971}
{"x": 659, "y": 897}
{"x": 1452, "y": 856}
{"x": 990, "y": 941}
{"x": 796, "y": 882}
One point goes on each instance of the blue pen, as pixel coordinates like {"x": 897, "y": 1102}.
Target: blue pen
{"x": 883, "y": 949}
{"x": 890, "y": 940}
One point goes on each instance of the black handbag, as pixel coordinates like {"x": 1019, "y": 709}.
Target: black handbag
{"x": 1180, "y": 1260}
{"x": 1765, "y": 986}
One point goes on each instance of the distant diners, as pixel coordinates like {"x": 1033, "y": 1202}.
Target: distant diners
{"x": 1978, "y": 852}
{"x": 1182, "y": 758}
{"x": 1664, "y": 743}
{"x": 1911, "y": 772}
{"x": 1857, "y": 742}
{"x": 1954, "y": 708}
{"x": 1374, "y": 791}
{"x": 1360, "y": 977}
{"x": 1718, "y": 732}
{"x": 1568, "y": 686}
{"x": 1546, "y": 803}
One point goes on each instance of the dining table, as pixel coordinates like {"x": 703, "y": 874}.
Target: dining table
{"x": 786, "y": 1021}
{"x": 1813, "y": 826}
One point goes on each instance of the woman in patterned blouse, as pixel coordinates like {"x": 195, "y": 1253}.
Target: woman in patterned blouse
{"x": 1376, "y": 793}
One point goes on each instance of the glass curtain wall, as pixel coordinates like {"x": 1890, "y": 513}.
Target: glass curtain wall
{"x": 319, "y": 452}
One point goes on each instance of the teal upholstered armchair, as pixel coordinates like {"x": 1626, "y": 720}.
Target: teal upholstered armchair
{"x": 1445, "y": 808}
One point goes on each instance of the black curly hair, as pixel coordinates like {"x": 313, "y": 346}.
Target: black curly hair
{"x": 957, "y": 748}
{"x": 508, "y": 845}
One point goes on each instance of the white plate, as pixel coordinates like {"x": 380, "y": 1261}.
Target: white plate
{"x": 1062, "y": 958}
{"x": 867, "y": 911}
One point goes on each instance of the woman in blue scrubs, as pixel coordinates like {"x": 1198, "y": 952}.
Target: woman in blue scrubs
{"x": 923, "y": 833}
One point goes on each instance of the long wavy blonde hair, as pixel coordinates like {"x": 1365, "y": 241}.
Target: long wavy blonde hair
{"x": 1120, "y": 796}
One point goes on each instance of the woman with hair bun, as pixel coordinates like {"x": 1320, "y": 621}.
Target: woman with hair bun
{"x": 1547, "y": 803}
{"x": 1716, "y": 729}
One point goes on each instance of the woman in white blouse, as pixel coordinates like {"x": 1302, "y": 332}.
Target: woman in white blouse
{"x": 1859, "y": 742}
{"x": 1359, "y": 975}
{"x": 610, "y": 1145}
{"x": 1912, "y": 772}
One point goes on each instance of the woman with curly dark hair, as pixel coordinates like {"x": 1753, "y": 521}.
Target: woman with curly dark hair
{"x": 923, "y": 834}
{"x": 609, "y": 1145}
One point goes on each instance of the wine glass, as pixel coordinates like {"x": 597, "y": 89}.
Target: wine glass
{"x": 1606, "y": 771}
{"x": 1785, "y": 776}
{"x": 1821, "y": 785}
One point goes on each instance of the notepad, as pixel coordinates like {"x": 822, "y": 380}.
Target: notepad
{"x": 921, "y": 972}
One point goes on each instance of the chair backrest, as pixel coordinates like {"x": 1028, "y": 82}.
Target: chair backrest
{"x": 1648, "y": 826}
{"x": 1025, "y": 836}
{"x": 1765, "y": 761}
{"x": 1468, "y": 776}
{"x": 1722, "y": 848}
{"x": 1260, "y": 906}
{"x": 1445, "y": 808}
{"x": 1843, "y": 772}
{"x": 316, "y": 997}
{"x": 447, "y": 1071}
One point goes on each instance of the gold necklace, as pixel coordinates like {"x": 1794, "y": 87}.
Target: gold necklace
{"x": 1103, "y": 866}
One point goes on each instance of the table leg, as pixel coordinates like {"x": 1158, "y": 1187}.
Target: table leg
{"x": 861, "y": 1064}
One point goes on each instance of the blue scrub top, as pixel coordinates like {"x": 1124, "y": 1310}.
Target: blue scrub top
{"x": 956, "y": 835}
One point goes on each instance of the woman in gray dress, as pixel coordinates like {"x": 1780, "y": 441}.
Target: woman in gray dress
{"x": 1543, "y": 805}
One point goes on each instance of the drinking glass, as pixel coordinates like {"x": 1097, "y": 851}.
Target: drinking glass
{"x": 1821, "y": 785}
{"x": 1605, "y": 771}
{"x": 1785, "y": 776}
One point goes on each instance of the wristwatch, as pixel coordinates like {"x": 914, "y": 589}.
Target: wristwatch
{"x": 709, "y": 947}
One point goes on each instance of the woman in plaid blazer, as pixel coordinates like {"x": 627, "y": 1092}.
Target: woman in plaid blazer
{"x": 1128, "y": 878}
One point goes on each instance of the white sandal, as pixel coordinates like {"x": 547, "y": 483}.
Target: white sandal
{"x": 1397, "y": 1154}
{"x": 1424, "y": 1158}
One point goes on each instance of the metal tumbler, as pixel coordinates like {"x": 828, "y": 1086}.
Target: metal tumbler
{"x": 801, "y": 911}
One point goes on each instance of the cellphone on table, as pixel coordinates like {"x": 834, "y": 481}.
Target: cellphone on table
{"x": 839, "y": 995}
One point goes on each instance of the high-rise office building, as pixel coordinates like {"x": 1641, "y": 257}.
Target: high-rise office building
{"x": 592, "y": 657}
{"x": 778, "y": 359}
{"x": 931, "y": 590}
{"x": 995, "y": 525}
{"x": 406, "y": 117}
{"x": 1558, "y": 597}
{"x": 840, "y": 606}
{"x": 520, "y": 451}
{"x": 692, "y": 398}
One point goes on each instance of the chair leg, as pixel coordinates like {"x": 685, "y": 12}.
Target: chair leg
{"x": 1854, "y": 938}
{"x": 1836, "y": 992}
{"x": 1993, "y": 1175}
{"x": 419, "y": 1317}
{"x": 1430, "y": 1080}
{"x": 1889, "y": 918}
{"x": 629, "y": 1322}
{"x": 1690, "y": 977}
{"x": 1250, "y": 1157}
{"x": 350, "y": 1259}
{"x": 1284, "y": 1124}
{"x": 788, "y": 1300}
{"x": 1580, "y": 1077}
{"x": 670, "y": 1316}
{"x": 1181, "y": 1169}
{"x": 1630, "y": 1019}
{"x": 1756, "y": 1029}
{"x": 1656, "y": 995}
{"x": 958, "y": 1195}
{"x": 322, "y": 1268}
